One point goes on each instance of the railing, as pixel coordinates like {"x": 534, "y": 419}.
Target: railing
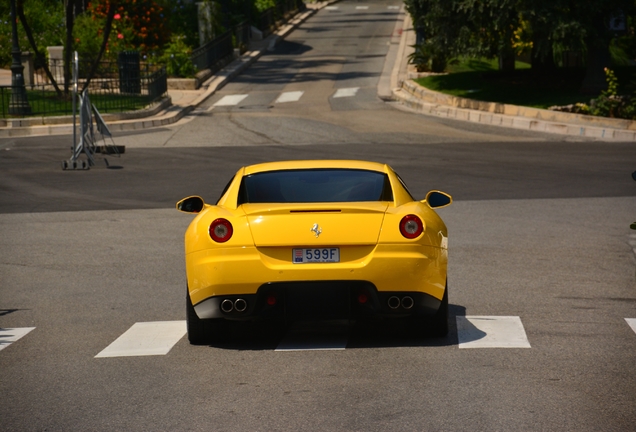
{"x": 117, "y": 87}
{"x": 210, "y": 54}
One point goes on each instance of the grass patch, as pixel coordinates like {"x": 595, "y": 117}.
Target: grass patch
{"x": 46, "y": 103}
{"x": 479, "y": 79}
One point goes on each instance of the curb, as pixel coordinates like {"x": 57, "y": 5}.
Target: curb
{"x": 426, "y": 101}
{"x": 158, "y": 115}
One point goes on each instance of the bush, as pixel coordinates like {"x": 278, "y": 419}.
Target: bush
{"x": 176, "y": 57}
{"x": 427, "y": 58}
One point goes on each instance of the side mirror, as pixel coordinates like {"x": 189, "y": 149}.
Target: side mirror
{"x": 193, "y": 204}
{"x": 438, "y": 199}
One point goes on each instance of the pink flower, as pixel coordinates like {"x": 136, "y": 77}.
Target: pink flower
{"x": 120, "y": 36}
{"x": 117, "y": 16}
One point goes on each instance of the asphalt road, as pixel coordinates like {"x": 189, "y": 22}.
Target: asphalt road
{"x": 539, "y": 230}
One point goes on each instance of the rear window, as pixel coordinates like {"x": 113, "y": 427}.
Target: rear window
{"x": 314, "y": 186}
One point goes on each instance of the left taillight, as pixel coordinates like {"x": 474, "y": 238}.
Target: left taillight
{"x": 221, "y": 230}
{"x": 411, "y": 226}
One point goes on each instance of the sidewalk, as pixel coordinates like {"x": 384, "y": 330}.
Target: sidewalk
{"x": 395, "y": 85}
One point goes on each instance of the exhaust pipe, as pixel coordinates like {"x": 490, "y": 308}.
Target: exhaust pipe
{"x": 240, "y": 305}
{"x": 407, "y": 302}
{"x": 394, "y": 302}
{"x": 227, "y": 306}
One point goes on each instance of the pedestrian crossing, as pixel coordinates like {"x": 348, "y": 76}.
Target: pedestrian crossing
{"x": 284, "y": 97}
{"x": 10, "y": 335}
{"x": 359, "y": 7}
{"x": 159, "y": 337}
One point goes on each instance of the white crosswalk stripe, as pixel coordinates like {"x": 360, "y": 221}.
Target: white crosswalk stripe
{"x": 632, "y": 323}
{"x": 10, "y": 335}
{"x": 158, "y": 338}
{"x": 491, "y": 332}
{"x": 146, "y": 338}
{"x": 293, "y": 96}
{"x": 230, "y": 100}
{"x": 314, "y": 342}
{"x": 346, "y": 92}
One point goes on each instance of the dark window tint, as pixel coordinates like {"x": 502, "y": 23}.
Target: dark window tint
{"x": 315, "y": 185}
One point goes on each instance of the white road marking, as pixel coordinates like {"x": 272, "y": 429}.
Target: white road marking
{"x": 230, "y": 100}
{"x": 491, "y": 332}
{"x": 346, "y": 92}
{"x": 301, "y": 338}
{"x": 289, "y": 96}
{"x": 10, "y": 335}
{"x": 632, "y": 323}
{"x": 362, "y": 7}
{"x": 393, "y": 7}
{"x": 146, "y": 338}
{"x": 331, "y": 7}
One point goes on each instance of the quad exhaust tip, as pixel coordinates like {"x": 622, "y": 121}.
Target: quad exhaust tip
{"x": 227, "y": 306}
{"x": 394, "y": 302}
{"x": 238, "y": 305}
{"x": 406, "y": 302}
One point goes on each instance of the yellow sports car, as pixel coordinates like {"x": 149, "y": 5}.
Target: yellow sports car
{"x": 324, "y": 239}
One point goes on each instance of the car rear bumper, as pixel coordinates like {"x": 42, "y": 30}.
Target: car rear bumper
{"x": 232, "y": 273}
{"x": 318, "y": 300}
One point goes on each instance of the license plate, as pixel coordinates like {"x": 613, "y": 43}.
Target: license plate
{"x": 316, "y": 255}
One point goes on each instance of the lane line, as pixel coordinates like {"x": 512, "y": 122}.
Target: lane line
{"x": 393, "y": 7}
{"x": 293, "y": 96}
{"x": 230, "y": 100}
{"x": 362, "y": 7}
{"x": 346, "y": 92}
{"x": 331, "y": 8}
{"x": 632, "y": 323}
{"x": 10, "y": 335}
{"x": 491, "y": 332}
{"x": 145, "y": 339}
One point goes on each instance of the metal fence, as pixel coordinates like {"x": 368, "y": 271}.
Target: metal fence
{"x": 211, "y": 55}
{"x": 125, "y": 85}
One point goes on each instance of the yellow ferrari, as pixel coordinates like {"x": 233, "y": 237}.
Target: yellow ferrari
{"x": 322, "y": 239}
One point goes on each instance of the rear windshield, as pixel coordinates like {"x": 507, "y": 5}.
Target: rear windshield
{"x": 314, "y": 186}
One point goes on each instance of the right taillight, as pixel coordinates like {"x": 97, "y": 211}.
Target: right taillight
{"x": 411, "y": 226}
{"x": 221, "y": 230}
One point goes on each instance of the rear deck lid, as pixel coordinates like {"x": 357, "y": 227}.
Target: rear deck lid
{"x": 308, "y": 225}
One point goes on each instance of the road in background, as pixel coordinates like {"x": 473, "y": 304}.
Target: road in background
{"x": 538, "y": 235}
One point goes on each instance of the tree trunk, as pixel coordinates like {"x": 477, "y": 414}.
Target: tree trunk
{"x": 68, "y": 47}
{"x": 38, "y": 55}
{"x": 112, "y": 7}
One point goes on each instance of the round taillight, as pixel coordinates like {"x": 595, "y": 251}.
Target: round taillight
{"x": 221, "y": 230}
{"x": 411, "y": 226}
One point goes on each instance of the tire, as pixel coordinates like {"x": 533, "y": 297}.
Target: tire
{"x": 432, "y": 326}
{"x": 439, "y": 322}
{"x": 204, "y": 331}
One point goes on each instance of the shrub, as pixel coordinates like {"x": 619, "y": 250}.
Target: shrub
{"x": 176, "y": 57}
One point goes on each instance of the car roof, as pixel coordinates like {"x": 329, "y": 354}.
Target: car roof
{"x": 315, "y": 164}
